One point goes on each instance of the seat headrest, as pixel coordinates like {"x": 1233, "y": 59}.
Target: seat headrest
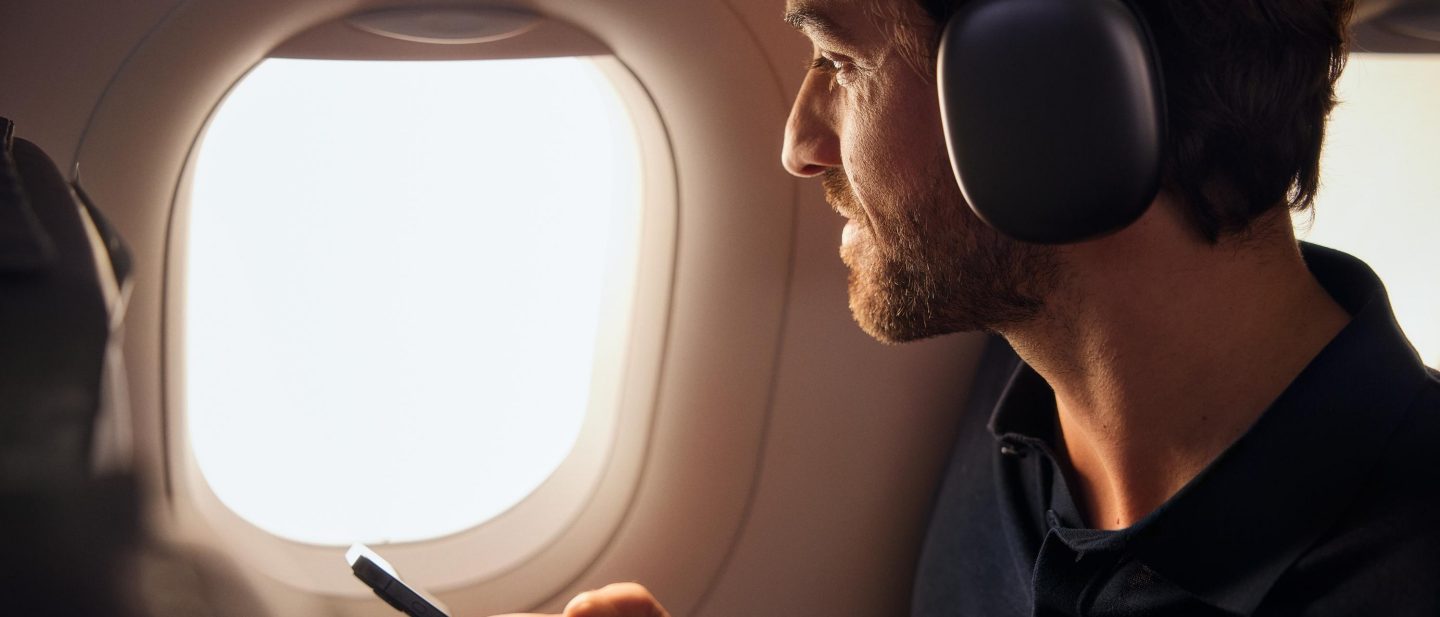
{"x": 55, "y": 321}
{"x": 24, "y": 246}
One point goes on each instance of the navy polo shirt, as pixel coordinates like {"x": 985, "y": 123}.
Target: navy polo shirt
{"x": 1328, "y": 505}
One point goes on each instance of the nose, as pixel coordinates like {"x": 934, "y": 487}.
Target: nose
{"x": 811, "y": 143}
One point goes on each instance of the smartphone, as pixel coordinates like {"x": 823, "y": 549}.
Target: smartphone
{"x": 382, "y": 578}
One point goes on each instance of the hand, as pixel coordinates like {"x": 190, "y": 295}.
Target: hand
{"x": 615, "y": 600}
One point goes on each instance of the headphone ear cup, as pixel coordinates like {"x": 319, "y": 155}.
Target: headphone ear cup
{"x": 1054, "y": 115}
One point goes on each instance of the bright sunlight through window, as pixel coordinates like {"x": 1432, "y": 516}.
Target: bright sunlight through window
{"x": 1380, "y": 193}
{"x": 395, "y": 276}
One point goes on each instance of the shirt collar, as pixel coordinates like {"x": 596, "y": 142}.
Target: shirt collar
{"x": 1230, "y": 533}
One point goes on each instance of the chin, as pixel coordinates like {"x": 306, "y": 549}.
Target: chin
{"x": 896, "y": 314}
{"x": 898, "y": 302}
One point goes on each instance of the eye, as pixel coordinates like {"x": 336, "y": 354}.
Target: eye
{"x": 840, "y": 67}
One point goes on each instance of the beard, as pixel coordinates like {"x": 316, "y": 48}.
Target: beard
{"x": 930, "y": 266}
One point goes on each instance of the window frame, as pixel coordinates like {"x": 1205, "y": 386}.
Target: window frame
{"x": 549, "y": 537}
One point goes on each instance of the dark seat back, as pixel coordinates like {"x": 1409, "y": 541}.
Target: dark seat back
{"x": 68, "y": 510}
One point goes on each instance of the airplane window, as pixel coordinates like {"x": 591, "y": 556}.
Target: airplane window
{"x": 1380, "y": 196}
{"x": 395, "y": 279}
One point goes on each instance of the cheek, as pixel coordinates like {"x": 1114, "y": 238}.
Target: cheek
{"x": 893, "y": 136}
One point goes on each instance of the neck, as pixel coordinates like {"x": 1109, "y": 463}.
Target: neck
{"x": 1163, "y": 349}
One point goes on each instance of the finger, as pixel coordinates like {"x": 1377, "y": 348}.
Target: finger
{"x": 592, "y": 604}
{"x": 616, "y": 600}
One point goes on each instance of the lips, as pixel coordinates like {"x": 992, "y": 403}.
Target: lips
{"x": 850, "y": 233}
{"x": 839, "y": 195}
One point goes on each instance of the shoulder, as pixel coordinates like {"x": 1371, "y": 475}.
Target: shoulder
{"x": 1383, "y": 554}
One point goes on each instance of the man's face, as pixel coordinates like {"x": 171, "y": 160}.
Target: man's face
{"x": 867, "y": 120}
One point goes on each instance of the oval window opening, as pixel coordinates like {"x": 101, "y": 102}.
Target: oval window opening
{"x": 395, "y": 280}
{"x": 1378, "y": 186}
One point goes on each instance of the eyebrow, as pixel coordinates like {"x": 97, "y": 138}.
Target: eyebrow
{"x": 810, "y": 19}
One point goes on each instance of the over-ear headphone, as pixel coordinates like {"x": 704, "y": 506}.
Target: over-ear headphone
{"x": 1054, "y": 115}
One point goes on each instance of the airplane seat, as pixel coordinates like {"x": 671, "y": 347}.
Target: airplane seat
{"x": 65, "y": 525}
{"x": 57, "y": 321}
{"x": 69, "y": 504}
{"x": 944, "y": 558}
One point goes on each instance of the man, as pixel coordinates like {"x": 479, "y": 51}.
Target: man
{"x": 1208, "y": 420}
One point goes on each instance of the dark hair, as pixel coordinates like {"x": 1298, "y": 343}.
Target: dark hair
{"x": 1248, "y": 85}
